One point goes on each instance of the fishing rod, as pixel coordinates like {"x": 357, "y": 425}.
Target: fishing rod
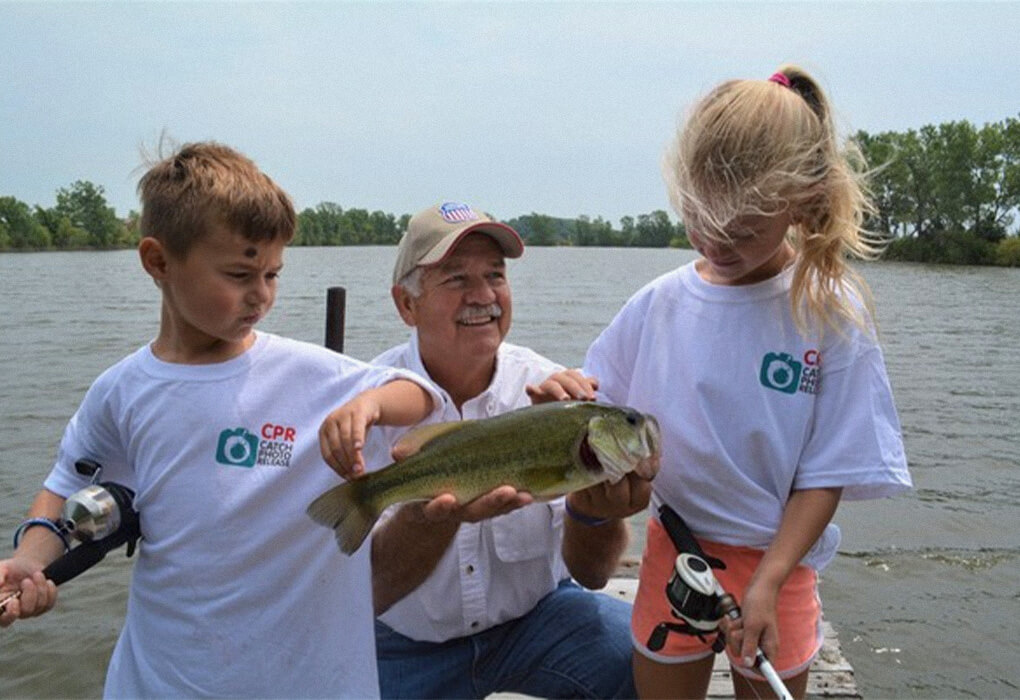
{"x": 101, "y": 516}
{"x": 696, "y": 597}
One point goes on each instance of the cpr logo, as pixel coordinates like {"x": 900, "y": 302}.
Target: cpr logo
{"x": 779, "y": 371}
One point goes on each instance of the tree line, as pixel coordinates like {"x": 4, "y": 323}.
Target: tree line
{"x": 947, "y": 193}
{"x": 944, "y": 194}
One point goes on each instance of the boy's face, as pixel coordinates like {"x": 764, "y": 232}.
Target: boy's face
{"x": 214, "y": 296}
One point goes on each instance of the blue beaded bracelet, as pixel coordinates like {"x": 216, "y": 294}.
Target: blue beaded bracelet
{"x": 584, "y": 519}
{"x": 42, "y": 522}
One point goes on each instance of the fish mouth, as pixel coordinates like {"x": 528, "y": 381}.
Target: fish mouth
{"x": 648, "y": 466}
{"x": 588, "y": 458}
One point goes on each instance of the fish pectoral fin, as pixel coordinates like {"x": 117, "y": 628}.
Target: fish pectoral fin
{"x": 414, "y": 440}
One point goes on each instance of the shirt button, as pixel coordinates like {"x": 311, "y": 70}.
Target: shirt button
{"x": 470, "y": 569}
{"x": 474, "y": 625}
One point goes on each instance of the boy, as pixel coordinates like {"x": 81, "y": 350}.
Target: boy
{"x": 235, "y": 592}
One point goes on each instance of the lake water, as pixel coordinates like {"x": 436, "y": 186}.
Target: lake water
{"x": 925, "y": 592}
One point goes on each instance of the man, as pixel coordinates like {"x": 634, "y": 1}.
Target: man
{"x": 477, "y": 598}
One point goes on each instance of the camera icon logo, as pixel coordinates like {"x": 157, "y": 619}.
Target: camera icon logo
{"x": 781, "y": 372}
{"x": 237, "y": 448}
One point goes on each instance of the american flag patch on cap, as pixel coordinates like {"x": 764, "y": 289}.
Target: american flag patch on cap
{"x": 456, "y": 212}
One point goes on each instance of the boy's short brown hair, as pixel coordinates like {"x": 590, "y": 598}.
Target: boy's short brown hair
{"x": 204, "y": 185}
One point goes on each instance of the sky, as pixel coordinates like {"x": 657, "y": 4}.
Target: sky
{"x": 560, "y": 108}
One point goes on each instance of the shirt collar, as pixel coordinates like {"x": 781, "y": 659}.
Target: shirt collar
{"x": 486, "y": 399}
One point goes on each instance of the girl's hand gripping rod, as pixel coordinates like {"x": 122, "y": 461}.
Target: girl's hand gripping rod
{"x": 728, "y": 607}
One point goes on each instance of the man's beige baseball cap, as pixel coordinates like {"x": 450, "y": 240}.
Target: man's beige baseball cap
{"x": 434, "y": 232}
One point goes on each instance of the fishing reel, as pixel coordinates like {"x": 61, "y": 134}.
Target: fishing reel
{"x": 697, "y": 599}
{"x": 101, "y": 517}
{"x": 100, "y": 510}
{"x": 694, "y": 594}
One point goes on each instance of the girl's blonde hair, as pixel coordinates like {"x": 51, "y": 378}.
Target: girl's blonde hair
{"x": 764, "y": 147}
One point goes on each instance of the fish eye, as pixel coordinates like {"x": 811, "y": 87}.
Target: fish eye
{"x": 632, "y": 417}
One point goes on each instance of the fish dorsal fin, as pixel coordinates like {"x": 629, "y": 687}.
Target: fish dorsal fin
{"x": 416, "y": 439}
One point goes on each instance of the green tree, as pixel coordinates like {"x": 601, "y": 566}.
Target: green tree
{"x": 653, "y": 230}
{"x": 605, "y": 234}
{"x": 384, "y": 229}
{"x": 583, "y": 232}
{"x": 626, "y": 230}
{"x": 84, "y": 205}
{"x": 20, "y": 229}
{"x": 887, "y": 182}
{"x": 920, "y": 181}
{"x": 679, "y": 239}
{"x": 132, "y": 228}
{"x": 64, "y": 235}
{"x": 542, "y": 228}
{"x": 1007, "y": 252}
{"x": 321, "y": 226}
{"x": 997, "y": 180}
{"x": 402, "y": 223}
{"x": 357, "y": 227}
{"x": 952, "y": 150}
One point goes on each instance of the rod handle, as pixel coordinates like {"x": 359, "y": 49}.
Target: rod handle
{"x": 79, "y": 559}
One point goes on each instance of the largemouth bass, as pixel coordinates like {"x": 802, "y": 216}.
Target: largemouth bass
{"x": 547, "y": 450}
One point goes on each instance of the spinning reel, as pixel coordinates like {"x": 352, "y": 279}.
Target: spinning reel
{"x": 101, "y": 517}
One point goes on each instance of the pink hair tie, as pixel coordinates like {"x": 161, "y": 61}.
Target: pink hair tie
{"x": 781, "y": 79}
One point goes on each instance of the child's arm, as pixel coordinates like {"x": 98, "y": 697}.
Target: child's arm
{"x": 805, "y": 517}
{"x": 342, "y": 434}
{"x": 23, "y": 571}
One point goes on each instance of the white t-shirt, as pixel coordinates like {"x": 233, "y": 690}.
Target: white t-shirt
{"x": 498, "y": 569}
{"x": 750, "y": 409}
{"x": 235, "y": 591}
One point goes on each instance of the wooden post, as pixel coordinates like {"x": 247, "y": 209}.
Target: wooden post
{"x": 336, "y": 301}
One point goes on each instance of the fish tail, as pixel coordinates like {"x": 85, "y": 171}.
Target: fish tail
{"x": 345, "y": 510}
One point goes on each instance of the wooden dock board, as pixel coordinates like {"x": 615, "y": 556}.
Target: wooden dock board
{"x": 831, "y": 674}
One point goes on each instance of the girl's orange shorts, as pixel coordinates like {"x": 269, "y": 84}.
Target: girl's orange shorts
{"x": 799, "y": 610}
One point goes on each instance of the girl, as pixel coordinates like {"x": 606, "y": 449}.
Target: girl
{"x": 760, "y": 362}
